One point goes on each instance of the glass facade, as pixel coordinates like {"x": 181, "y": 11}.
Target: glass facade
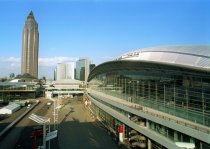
{"x": 183, "y": 94}
{"x": 13, "y": 91}
{"x": 82, "y": 69}
{"x": 178, "y": 91}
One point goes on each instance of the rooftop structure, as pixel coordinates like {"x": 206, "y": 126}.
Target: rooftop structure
{"x": 197, "y": 57}
{"x": 10, "y": 109}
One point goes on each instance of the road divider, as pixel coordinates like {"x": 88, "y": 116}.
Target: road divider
{"x": 11, "y": 125}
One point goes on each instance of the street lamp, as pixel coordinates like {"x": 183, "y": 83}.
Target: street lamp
{"x": 56, "y": 107}
{"x": 137, "y": 92}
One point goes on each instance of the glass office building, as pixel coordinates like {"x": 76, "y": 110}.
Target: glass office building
{"x": 82, "y": 69}
{"x": 161, "y": 96}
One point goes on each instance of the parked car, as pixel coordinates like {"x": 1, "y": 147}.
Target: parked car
{"x": 29, "y": 105}
{"x": 49, "y": 103}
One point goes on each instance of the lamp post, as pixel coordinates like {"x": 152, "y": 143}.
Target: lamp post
{"x": 137, "y": 91}
{"x": 129, "y": 93}
{"x": 49, "y": 140}
{"x": 54, "y": 100}
{"x": 56, "y": 107}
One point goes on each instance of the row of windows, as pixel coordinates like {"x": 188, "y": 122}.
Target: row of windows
{"x": 181, "y": 95}
{"x": 11, "y": 87}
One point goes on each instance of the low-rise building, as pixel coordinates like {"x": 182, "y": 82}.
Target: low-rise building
{"x": 10, "y": 109}
{"x": 65, "y": 87}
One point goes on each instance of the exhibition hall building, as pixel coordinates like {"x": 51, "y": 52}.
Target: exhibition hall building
{"x": 155, "y": 97}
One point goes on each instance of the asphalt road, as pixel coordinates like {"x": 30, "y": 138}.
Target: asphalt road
{"x": 11, "y": 118}
{"x": 20, "y": 136}
{"x": 78, "y": 130}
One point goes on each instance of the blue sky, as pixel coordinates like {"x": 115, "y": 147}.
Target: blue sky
{"x": 99, "y": 29}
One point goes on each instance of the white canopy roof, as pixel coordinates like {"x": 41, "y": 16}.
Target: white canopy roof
{"x": 192, "y": 56}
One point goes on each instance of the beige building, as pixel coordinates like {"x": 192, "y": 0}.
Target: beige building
{"x": 30, "y": 45}
{"x": 65, "y": 88}
{"x": 65, "y": 71}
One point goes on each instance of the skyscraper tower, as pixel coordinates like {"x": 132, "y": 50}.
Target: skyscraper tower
{"x": 30, "y": 45}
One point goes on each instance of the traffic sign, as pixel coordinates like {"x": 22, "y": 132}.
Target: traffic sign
{"x": 51, "y": 135}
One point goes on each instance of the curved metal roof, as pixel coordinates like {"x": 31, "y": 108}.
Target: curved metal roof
{"x": 192, "y": 56}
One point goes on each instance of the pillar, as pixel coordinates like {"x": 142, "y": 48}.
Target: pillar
{"x": 149, "y": 144}
{"x": 147, "y": 123}
{"x": 175, "y": 136}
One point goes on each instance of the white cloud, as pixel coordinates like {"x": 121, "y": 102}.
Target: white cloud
{"x": 53, "y": 61}
{"x": 47, "y": 61}
{"x": 10, "y": 59}
{"x": 13, "y": 62}
{"x": 9, "y": 65}
{"x": 46, "y": 65}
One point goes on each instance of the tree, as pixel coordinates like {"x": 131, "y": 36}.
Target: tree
{"x": 44, "y": 78}
{"x": 12, "y": 75}
{"x": 3, "y": 79}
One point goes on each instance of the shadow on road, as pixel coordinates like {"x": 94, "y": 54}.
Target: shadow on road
{"x": 66, "y": 116}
